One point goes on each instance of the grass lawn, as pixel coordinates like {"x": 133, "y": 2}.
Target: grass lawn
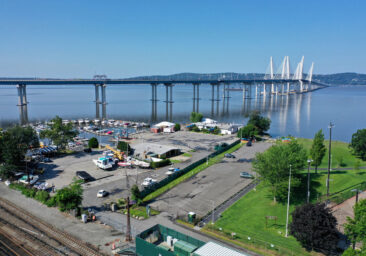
{"x": 187, "y": 154}
{"x": 189, "y": 174}
{"x": 140, "y": 211}
{"x": 175, "y": 161}
{"x": 247, "y": 216}
{"x": 340, "y": 153}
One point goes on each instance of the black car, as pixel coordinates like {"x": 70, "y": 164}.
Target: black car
{"x": 229, "y": 155}
{"x": 87, "y": 150}
{"x": 84, "y": 176}
{"x": 249, "y": 143}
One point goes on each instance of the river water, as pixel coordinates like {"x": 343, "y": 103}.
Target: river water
{"x": 296, "y": 114}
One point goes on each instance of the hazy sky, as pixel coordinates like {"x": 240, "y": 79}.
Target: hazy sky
{"x": 123, "y": 38}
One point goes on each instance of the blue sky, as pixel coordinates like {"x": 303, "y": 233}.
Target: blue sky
{"x": 123, "y": 38}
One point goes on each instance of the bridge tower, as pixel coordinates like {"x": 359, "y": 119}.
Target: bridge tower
{"x": 310, "y": 76}
{"x": 22, "y": 103}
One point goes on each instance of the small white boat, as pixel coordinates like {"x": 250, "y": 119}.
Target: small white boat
{"x": 87, "y": 121}
{"x": 104, "y": 122}
{"x": 80, "y": 121}
{"x": 96, "y": 121}
{"x": 65, "y": 121}
{"x": 73, "y": 121}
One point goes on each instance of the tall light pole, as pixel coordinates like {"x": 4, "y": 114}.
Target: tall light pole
{"x": 308, "y": 195}
{"x": 213, "y": 211}
{"x": 331, "y": 125}
{"x": 288, "y": 200}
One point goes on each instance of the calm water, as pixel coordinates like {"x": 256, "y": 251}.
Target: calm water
{"x": 298, "y": 115}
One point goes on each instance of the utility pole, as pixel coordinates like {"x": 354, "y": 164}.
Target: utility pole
{"x": 331, "y": 125}
{"x": 288, "y": 201}
{"x": 128, "y": 232}
{"x": 213, "y": 211}
{"x": 308, "y": 195}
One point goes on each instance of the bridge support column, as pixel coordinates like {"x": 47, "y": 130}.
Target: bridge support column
{"x": 97, "y": 101}
{"x": 264, "y": 90}
{"x": 301, "y": 86}
{"x": 196, "y": 97}
{"x": 154, "y": 100}
{"x": 212, "y": 99}
{"x": 22, "y": 104}
{"x": 104, "y": 101}
{"x": 169, "y": 101}
{"x": 288, "y": 88}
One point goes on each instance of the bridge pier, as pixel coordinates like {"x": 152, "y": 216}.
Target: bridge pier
{"x": 169, "y": 101}
{"x": 22, "y": 104}
{"x": 154, "y": 100}
{"x": 196, "y": 97}
{"x": 225, "y": 96}
{"x": 98, "y": 102}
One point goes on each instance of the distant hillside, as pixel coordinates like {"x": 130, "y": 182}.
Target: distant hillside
{"x": 331, "y": 79}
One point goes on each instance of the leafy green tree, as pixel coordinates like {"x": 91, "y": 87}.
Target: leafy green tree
{"x": 124, "y": 147}
{"x": 93, "y": 143}
{"x": 60, "y": 134}
{"x": 317, "y": 151}
{"x": 70, "y": 197}
{"x": 15, "y": 143}
{"x": 314, "y": 226}
{"x": 136, "y": 194}
{"x": 216, "y": 130}
{"x": 358, "y": 144}
{"x": 248, "y": 131}
{"x": 196, "y": 117}
{"x": 355, "y": 228}
{"x": 261, "y": 123}
{"x": 7, "y": 171}
{"x": 274, "y": 166}
{"x": 177, "y": 127}
{"x": 357, "y": 165}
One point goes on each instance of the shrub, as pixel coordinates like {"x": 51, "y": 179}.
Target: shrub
{"x": 196, "y": 129}
{"x": 124, "y": 147}
{"x": 177, "y": 127}
{"x": 136, "y": 194}
{"x": 248, "y": 131}
{"x": 196, "y": 117}
{"x": 51, "y": 202}
{"x": 93, "y": 143}
{"x": 162, "y": 163}
{"x": 42, "y": 196}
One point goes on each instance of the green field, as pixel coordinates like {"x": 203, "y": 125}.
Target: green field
{"x": 247, "y": 216}
{"x": 339, "y": 150}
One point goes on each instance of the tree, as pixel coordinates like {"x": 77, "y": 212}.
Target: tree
{"x": 355, "y": 228}
{"x": 216, "y": 130}
{"x": 357, "y": 165}
{"x": 15, "y": 143}
{"x": 124, "y": 147}
{"x": 317, "y": 151}
{"x": 70, "y": 197}
{"x": 261, "y": 123}
{"x": 248, "y": 131}
{"x": 314, "y": 226}
{"x": 60, "y": 134}
{"x": 358, "y": 144}
{"x": 93, "y": 143}
{"x": 136, "y": 194}
{"x": 274, "y": 166}
{"x": 196, "y": 117}
{"x": 7, "y": 171}
{"x": 177, "y": 127}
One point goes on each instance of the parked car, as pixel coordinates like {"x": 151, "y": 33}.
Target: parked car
{"x": 47, "y": 160}
{"x": 148, "y": 182}
{"x": 172, "y": 170}
{"x": 32, "y": 179}
{"x": 41, "y": 185}
{"x": 87, "y": 150}
{"x": 102, "y": 193}
{"x": 249, "y": 143}
{"x": 227, "y": 155}
{"x": 84, "y": 176}
{"x": 246, "y": 175}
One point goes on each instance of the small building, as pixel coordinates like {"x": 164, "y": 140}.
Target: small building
{"x": 229, "y": 128}
{"x": 147, "y": 150}
{"x": 162, "y": 241}
{"x": 167, "y": 127}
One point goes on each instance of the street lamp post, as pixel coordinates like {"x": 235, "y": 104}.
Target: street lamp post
{"x": 288, "y": 200}
{"x": 308, "y": 195}
{"x": 357, "y": 191}
{"x": 331, "y": 125}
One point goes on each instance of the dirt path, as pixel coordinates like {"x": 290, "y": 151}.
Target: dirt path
{"x": 345, "y": 209}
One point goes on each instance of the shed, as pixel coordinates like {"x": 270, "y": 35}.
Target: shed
{"x": 215, "y": 249}
{"x": 182, "y": 248}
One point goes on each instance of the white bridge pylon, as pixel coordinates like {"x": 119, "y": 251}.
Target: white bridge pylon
{"x": 283, "y": 72}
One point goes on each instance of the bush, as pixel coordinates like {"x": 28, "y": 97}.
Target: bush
{"x": 196, "y": 129}
{"x": 216, "y": 130}
{"x": 177, "y": 127}
{"x": 93, "y": 143}
{"x": 261, "y": 123}
{"x": 162, "y": 163}
{"x": 69, "y": 197}
{"x": 42, "y": 196}
{"x": 51, "y": 202}
{"x": 358, "y": 144}
{"x": 136, "y": 194}
{"x": 196, "y": 117}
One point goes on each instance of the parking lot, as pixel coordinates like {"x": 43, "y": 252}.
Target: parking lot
{"x": 212, "y": 186}
{"x": 62, "y": 170}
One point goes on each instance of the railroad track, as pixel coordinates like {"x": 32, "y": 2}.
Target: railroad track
{"x": 50, "y": 240}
